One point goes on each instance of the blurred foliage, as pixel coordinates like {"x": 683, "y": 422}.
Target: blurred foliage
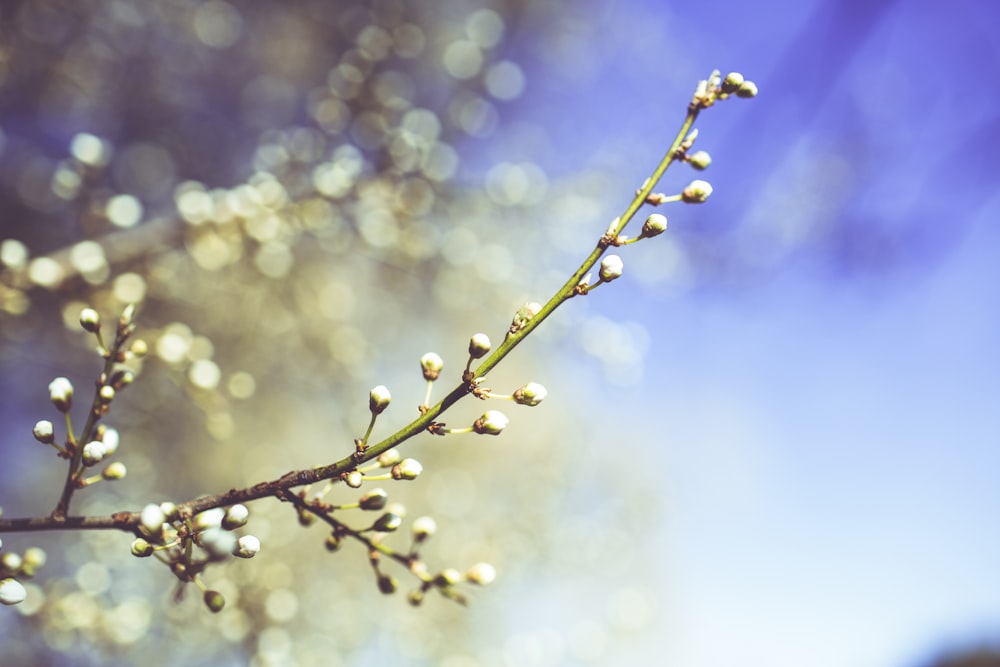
{"x": 276, "y": 185}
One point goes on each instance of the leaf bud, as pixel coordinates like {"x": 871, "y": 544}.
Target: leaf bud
{"x": 696, "y": 192}
{"x": 90, "y": 320}
{"x": 491, "y": 423}
{"x": 530, "y": 394}
{"x": 407, "y": 469}
{"x": 61, "y": 394}
{"x": 44, "y": 432}
{"x": 378, "y": 399}
{"x": 431, "y": 364}
{"x": 611, "y": 268}
{"x": 479, "y": 346}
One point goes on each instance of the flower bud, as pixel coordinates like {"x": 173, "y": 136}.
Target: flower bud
{"x": 373, "y": 500}
{"x": 217, "y": 542}
{"x": 61, "y": 394}
{"x": 151, "y": 519}
{"x": 215, "y": 601}
{"x": 247, "y": 546}
{"x": 700, "y": 160}
{"x": 747, "y": 89}
{"x": 423, "y": 528}
{"x": 141, "y": 548}
{"x": 611, "y": 268}
{"x": 481, "y": 573}
{"x": 93, "y": 452}
{"x": 114, "y": 470}
{"x": 655, "y": 225}
{"x": 407, "y": 469}
{"x": 524, "y": 315}
{"x": 90, "y": 320}
{"x": 378, "y": 399}
{"x": 139, "y": 348}
{"x": 732, "y": 83}
{"x": 44, "y": 432}
{"x": 479, "y": 346}
{"x": 12, "y": 592}
{"x": 11, "y": 561}
{"x": 110, "y": 439}
{"x": 447, "y": 577}
{"x": 169, "y": 510}
{"x": 530, "y": 394}
{"x": 236, "y": 516}
{"x": 210, "y": 518}
{"x": 387, "y": 584}
{"x": 106, "y": 394}
{"x": 387, "y": 523}
{"x": 389, "y": 458}
{"x": 431, "y": 364}
{"x": 415, "y": 597}
{"x": 491, "y": 423}
{"x": 354, "y": 479}
{"x": 332, "y": 543}
{"x": 696, "y": 192}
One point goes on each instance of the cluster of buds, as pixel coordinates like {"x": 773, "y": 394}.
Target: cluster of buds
{"x": 165, "y": 530}
{"x": 13, "y": 568}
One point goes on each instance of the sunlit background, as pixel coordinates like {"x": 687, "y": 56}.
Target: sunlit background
{"x": 774, "y": 442}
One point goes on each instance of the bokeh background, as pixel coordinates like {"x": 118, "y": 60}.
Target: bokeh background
{"x": 773, "y": 442}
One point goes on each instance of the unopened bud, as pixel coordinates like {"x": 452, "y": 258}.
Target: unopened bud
{"x": 141, "y": 548}
{"x": 481, "y": 573}
{"x": 611, "y": 268}
{"x": 700, "y": 160}
{"x": 373, "y": 500}
{"x": 407, "y": 469}
{"x": 210, "y": 518}
{"x": 491, "y": 423}
{"x": 93, "y": 452}
{"x": 747, "y": 89}
{"x": 387, "y": 584}
{"x": 90, "y": 320}
{"x": 12, "y": 592}
{"x": 530, "y": 394}
{"x": 387, "y": 523}
{"x": 151, "y": 519}
{"x": 389, "y": 458}
{"x": 354, "y": 479}
{"x": 447, "y": 578}
{"x": 61, "y": 394}
{"x": 34, "y": 559}
{"x": 114, "y": 470}
{"x": 732, "y": 83}
{"x": 655, "y": 225}
{"x": 696, "y": 192}
{"x": 423, "y": 528}
{"x": 479, "y": 345}
{"x": 215, "y": 601}
{"x": 431, "y": 364}
{"x": 44, "y": 432}
{"x": 247, "y": 546}
{"x": 236, "y": 516}
{"x": 378, "y": 399}
{"x": 106, "y": 394}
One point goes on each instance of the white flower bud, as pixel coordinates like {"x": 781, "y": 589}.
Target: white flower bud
{"x": 235, "y": 517}
{"x": 481, "y": 573}
{"x": 611, "y": 268}
{"x": 655, "y": 225}
{"x": 387, "y": 523}
{"x": 479, "y": 346}
{"x": 141, "y": 548}
{"x": 530, "y": 394}
{"x": 389, "y": 458}
{"x": 44, "y": 432}
{"x": 431, "y": 364}
{"x": 407, "y": 469}
{"x": 373, "y": 500}
{"x": 378, "y": 399}
{"x": 423, "y": 528}
{"x": 11, "y": 561}
{"x": 447, "y": 578}
{"x": 491, "y": 423}
{"x": 12, "y": 592}
{"x": 61, "y": 394}
{"x": 93, "y": 452}
{"x": 34, "y": 559}
{"x": 700, "y": 160}
{"x": 354, "y": 479}
{"x": 110, "y": 440}
{"x": 247, "y": 546}
{"x": 114, "y": 470}
{"x": 732, "y": 83}
{"x": 90, "y": 320}
{"x": 151, "y": 518}
{"x": 747, "y": 89}
{"x": 210, "y": 518}
{"x": 217, "y": 542}
{"x": 696, "y": 192}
